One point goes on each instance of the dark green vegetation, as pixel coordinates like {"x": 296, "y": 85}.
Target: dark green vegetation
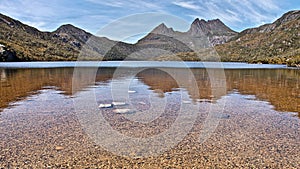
{"x": 278, "y": 42}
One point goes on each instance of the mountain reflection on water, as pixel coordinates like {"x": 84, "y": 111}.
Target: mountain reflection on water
{"x": 280, "y": 87}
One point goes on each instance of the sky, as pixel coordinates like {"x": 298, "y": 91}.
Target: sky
{"x": 93, "y": 15}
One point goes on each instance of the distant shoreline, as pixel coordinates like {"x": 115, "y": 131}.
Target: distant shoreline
{"x": 140, "y": 64}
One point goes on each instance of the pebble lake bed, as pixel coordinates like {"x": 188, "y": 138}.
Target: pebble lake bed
{"x": 41, "y": 124}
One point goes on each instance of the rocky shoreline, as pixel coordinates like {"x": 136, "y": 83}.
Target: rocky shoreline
{"x": 49, "y": 135}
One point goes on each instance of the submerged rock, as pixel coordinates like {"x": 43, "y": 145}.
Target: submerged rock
{"x": 123, "y": 111}
{"x": 119, "y": 103}
{"x": 186, "y": 102}
{"x": 58, "y": 148}
{"x": 131, "y": 91}
{"x": 105, "y": 105}
{"x": 142, "y": 103}
{"x": 223, "y": 116}
{"x": 205, "y": 100}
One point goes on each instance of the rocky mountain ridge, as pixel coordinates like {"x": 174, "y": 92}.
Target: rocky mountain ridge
{"x": 277, "y": 42}
{"x": 26, "y": 43}
{"x": 215, "y": 30}
{"x": 287, "y": 17}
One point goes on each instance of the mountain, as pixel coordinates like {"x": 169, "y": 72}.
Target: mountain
{"x": 162, "y": 41}
{"x": 25, "y": 43}
{"x": 287, "y": 17}
{"x": 18, "y": 25}
{"x": 71, "y": 34}
{"x": 278, "y": 42}
{"x": 174, "y": 45}
{"x": 20, "y": 42}
{"x": 215, "y": 30}
{"x": 163, "y": 30}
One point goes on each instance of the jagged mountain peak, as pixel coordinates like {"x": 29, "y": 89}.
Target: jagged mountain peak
{"x": 198, "y": 27}
{"x": 198, "y": 21}
{"x": 162, "y": 25}
{"x": 162, "y": 29}
{"x": 215, "y": 30}
{"x": 66, "y": 42}
{"x": 209, "y": 28}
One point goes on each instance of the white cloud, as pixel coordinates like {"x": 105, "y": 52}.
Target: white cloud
{"x": 39, "y": 25}
{"x": 130, "y": 4}
{"x": 254, "y": 11}
{"x": 108, "y": 3}
{"x": 140, "y": 24}
{"x": 267, "y": 4}
{"x": 187, "y": 5}
{"x": 28, "y": 8}
{"x": 238, "y": 14}
{"x": 91, "y": 14}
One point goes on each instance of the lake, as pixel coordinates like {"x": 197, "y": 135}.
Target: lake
{"x": 151, "y": 115}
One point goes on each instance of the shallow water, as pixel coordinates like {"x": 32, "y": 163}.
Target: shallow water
{"x": 48, "y": 117}
{"x": 280, "y": 87}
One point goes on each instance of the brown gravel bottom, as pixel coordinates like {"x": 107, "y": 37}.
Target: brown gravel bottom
{"x": 43, "y": 132}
